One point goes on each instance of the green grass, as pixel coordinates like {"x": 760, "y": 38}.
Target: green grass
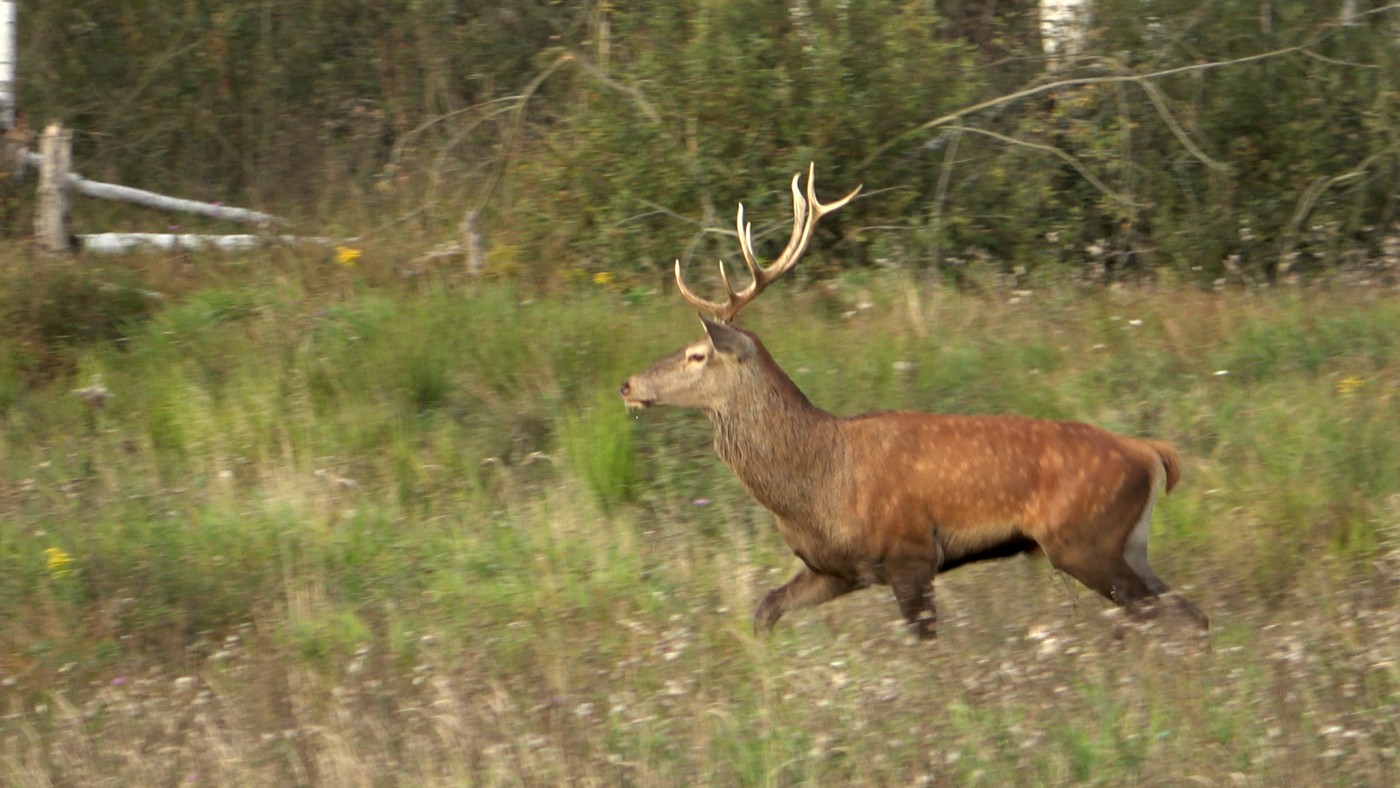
{"x": 325, "y": 530}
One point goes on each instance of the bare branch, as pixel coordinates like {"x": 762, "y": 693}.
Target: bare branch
{"x": 1062, "y": 84}
{"x": 1331, "y": 61}
{"x": 1160, "y": 102}
{"x": 945, "y": 176}
{"x": 1078, "y": 165}
{"x": 522, "y": 101}
{"x": 636, "y": 95}
{"x": 126, "y": 243}
{"x": 1308, "y": 200}
{"x": 1373, "y": 11}
{"x": 404, "y": 139}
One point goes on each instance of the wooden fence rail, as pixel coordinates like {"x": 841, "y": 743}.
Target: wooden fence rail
{"x": 57, "y": 181}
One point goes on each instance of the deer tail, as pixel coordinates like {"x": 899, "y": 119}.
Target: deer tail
{"x": 1171, "y": 461}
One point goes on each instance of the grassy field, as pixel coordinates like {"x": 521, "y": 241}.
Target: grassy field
{"x": 312, "y": 526}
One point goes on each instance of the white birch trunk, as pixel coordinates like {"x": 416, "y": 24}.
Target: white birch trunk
{"x": 126, "y": 243}
{"x": 8, "y": 62}
{"x": 1064, "y": 26}
{"x": 473, "y": 246}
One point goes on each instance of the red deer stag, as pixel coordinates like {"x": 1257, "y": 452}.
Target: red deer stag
{"x": 893, "y": 498}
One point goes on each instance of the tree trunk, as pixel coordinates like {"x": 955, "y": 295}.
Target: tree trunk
{"x": 1064, "y": 26}
{"x": 51, "y": 222}
{"x": 472, "y": 244}
{"x": 8, "y": 58}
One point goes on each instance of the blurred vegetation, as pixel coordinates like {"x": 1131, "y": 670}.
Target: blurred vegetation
{"x": 1217, "y": 139}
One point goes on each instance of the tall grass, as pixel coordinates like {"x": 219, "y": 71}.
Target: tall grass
{"x": 358, "y": 534}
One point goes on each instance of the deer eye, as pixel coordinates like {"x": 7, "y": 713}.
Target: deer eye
{"x": 696, "y": 357}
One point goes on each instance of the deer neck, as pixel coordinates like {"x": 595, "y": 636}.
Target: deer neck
{"x": 783, "y": 448}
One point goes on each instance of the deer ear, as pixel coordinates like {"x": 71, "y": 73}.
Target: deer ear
{"x": 728, "y": 340}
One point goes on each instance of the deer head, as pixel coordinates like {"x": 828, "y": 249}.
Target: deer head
{"x": 699, "y": 375}
{"x": 707, "y": 372}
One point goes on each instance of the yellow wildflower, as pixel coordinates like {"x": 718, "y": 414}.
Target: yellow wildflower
{"x": 346, "y": 255}
{"x": 603, "y": 278}
{"x": 56, "y": 561}
{"x": 1349, "y": 385}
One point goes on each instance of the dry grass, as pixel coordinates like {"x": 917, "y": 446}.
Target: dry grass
{"x": 1030, "y": 682}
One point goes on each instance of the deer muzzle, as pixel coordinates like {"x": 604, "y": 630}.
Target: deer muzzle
{"x": 629, "y": 399}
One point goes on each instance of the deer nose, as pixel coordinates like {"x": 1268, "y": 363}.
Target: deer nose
{"x": 625, "y": 389}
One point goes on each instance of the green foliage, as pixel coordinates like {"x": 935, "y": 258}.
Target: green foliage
{"x": 282, "y": 101}
{"x": 58, "y": 304}
{"x": 1301, "y": 144}
{"x": 723, "y": 101}
{"x": 598, "y": 442}
{"x": 11, "y": 382}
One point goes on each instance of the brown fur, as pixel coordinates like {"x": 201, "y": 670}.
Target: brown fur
{"x": 893, "y": 498}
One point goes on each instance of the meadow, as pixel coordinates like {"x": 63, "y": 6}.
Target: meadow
{"x": 292, "y": 521}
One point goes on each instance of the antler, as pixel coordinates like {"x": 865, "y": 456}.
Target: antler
{"x": 805, "y": 214}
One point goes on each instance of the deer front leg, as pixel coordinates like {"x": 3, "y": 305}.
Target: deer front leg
{"x": 808, "y": 588}
{"x": 912, "y": 583}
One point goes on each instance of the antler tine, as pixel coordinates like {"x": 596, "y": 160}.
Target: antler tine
{"x": 818, "y": 209}
{"x": 714, "y": 308}
{"x": 746, "y": 242}
{"x": 724, "y": 279}
{"x": 736, "y": 300}
{"x": 726, "y": 311}
{"x": 802, "y": 223}
{"x": 805, "y": 215}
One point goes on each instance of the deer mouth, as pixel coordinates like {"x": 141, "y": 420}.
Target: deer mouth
{"x": 632, "y": 402}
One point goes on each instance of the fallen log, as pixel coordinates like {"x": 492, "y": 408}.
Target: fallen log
{"x": 125, "y": 243}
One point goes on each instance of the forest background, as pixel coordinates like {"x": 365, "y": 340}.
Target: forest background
{"x": 1203, "y": 137}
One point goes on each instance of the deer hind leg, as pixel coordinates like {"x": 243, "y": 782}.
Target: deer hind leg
{"x": 1104, "y": 572}
{"x": 1123, "y": 575}
{"x": 806, "y": 589}
{"x": 1135, "y": 556}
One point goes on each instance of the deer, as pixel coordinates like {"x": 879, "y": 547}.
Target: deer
{"x": 896, "y": 497}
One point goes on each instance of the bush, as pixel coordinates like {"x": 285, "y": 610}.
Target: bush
{"x": 50, "y": 306}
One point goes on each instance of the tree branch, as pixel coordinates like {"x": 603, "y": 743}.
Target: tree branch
{"x": 1069, "y": 83}
{"x": 1159, "y": 101}
{"x": 1308, "y": 200}
{"x": 1078, "y": 165}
